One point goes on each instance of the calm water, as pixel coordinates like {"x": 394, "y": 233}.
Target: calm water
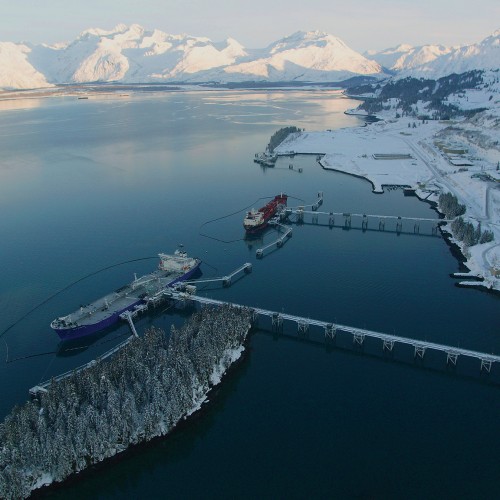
{"x": 88, "y": 184}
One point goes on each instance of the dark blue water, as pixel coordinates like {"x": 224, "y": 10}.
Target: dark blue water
{"x": 88, "y": 184}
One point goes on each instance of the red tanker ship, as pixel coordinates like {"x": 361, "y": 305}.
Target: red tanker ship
{"x": 255, "y": 220}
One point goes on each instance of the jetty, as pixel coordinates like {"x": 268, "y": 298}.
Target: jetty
{"x": 285, "y": 233}
{"x": 376, "y": 222}
{"x": 44, "y": 386}
{"x": 184, "y": 294}
{"x": 265, "y": 159}
{"x": 347, "y": 217}
{"x": 330, "y": 330}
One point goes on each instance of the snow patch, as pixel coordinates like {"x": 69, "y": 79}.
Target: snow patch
{"x": 418, "y": 162}
{"x": 228, "y": 358}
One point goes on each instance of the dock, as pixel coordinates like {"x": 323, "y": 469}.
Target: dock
{"x": 388, "y": 342}
{"x": 412, "y": 224}
{"x": 225, "y": 280}
{"x": 286, "y": 233}
{"x": 44, "y": 386}
{"x": 265, "y": 159}
{"x": 331, "y": 329}
{"x": 346, "y": 217}
{"x": 184, "y": 294}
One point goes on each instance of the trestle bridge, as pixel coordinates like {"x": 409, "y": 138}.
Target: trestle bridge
{"x": 330, "y": 331}
{"x": 346, "y": 218}
{"x": 184, "y": 294}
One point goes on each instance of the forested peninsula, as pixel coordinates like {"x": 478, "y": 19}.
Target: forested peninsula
{"x": 140, "y": 393}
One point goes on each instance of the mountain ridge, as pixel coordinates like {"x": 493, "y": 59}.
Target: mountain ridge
{"x": 436, "y": 61}
{"x": 133, "y": 54}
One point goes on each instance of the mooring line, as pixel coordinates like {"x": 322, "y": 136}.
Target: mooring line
{"x": 24, "y": 316}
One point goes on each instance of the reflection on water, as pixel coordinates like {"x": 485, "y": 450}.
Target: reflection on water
{"x": 20, "y": 103}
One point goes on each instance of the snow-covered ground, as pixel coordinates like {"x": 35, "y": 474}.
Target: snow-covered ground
{"x": 416, "y": 160}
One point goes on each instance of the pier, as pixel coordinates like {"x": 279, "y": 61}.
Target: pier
{"x": 376, "y": 222}
{"x": 331, "y": 330}
{"x": 388, "y": 342}
{"x": 286, "y": 232}
{"x": 346, "y": 217}
{"x": 44, "y": 386}
{"x": 185, "y": 294}
{"x": 225, "y": 280}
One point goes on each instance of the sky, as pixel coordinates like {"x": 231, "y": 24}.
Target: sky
{"x": 361, "y": 24}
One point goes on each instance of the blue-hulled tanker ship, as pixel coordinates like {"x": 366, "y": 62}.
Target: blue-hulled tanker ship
{"x": 106, "y": 311}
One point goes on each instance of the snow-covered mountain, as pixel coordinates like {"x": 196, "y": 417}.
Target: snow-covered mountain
{"x": 482, "y": 55}
{"x": 303, "y": 56}
{"x": 405, "y": 57}
{"x": 435, "y": 61}
{"x": 132, "y": 54}
{"x": 15, "y": 68}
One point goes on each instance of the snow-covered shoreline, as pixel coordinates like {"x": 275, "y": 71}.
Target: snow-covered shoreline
{"x": 409, "y": 152}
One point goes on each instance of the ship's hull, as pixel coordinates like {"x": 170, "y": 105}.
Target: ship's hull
{"x": 76, "y": 332}
{"x": 84, "y": 330}
{"x": 256, "y": 229}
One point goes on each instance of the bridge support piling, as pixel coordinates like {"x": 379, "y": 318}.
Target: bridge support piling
{"x": 347, "y": 220}
{"x": 254, "y": 317}
{"x": 277, "y": 322}
{"x": 381, "y": 225}
{"x": 300, "y": 215}
{"x": 358, "y": 338}
{"x": 388, "y": 345}
{"x": 330, "y": 331}
{"x": 302, "y": 327}
{"x": 486, "y": 365}
{"x": 419, "y": 351}
{"x": 451, "y": 358}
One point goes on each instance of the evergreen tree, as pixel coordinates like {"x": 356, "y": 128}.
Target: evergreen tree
{"x": 279, "y": 136}
{"x": 477, "y": 233}
{"x": 486, "y": 237}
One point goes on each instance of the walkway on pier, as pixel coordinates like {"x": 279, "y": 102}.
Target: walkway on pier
{"x": 303, "y": 324}
{"x": 358, "y": 334}
{"x": 225, "y": 280}
{"x": 43, "y": 386}
{"x": 299, "y": 210}
{"x": 279, "y": 242}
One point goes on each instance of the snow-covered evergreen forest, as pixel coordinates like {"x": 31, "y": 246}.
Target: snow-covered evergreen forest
{"x": 140, "y": 393}
{"x": 462, "y": 231}
{"x": 279, "y": 136}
